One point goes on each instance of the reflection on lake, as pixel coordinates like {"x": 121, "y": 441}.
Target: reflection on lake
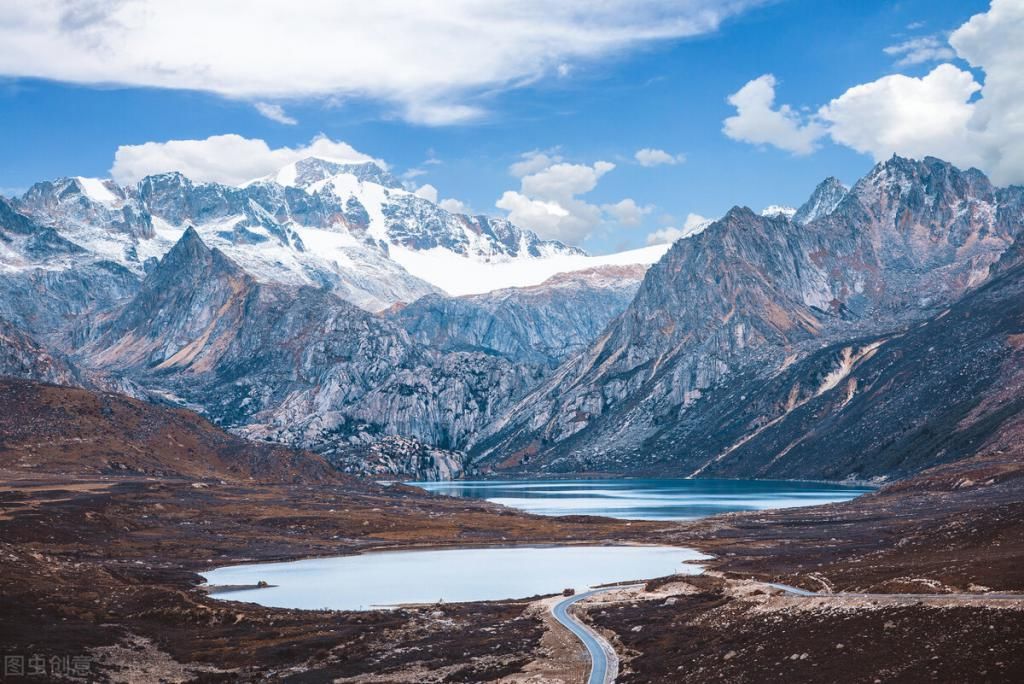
{"x": 646, "y": 499}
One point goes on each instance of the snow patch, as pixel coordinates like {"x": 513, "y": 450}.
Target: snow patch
{"x": 96, "y": 190}
{"x": 458, "y": 275}
{"x": 778, "y": 210}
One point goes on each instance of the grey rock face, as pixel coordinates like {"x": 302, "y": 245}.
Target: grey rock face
{"x": 539, "y": 325}
{"x": 295, "y": 365}
{"x": 754, "y": 292}
{"x": 876, "y": 407}
{"x": 822, "y": 202}
{"x": 398, "y": 458}
{"x": 23, "y": 357}
{"x": 66, "y": 205}
{"x": 50, "y": 286}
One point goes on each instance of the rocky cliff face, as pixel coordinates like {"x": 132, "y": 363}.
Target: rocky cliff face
{"x": 876, "y": 407}
{"x": 23, "y": 357}
{"x": 822, "y": 202}
{"x": 540, "y": 325}
{"x": 293, "y": 365}
{"x": 49, "y": 285}
{"x": 758, "y": 294}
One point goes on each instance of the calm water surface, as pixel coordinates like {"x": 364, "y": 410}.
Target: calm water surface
{"x": 397, "y": 577}
{"x": 394, "y": 577}
{"x": 646, "y": 499}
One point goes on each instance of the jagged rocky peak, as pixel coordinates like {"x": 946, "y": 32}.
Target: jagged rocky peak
{"x": 311, "y": 170}
{"x": 822, "y": 202}
{"x": 84, "y": 205}
{"x": 928, "y": 191}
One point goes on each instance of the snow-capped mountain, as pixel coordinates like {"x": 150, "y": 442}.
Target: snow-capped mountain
{"x": 349, "y": 227}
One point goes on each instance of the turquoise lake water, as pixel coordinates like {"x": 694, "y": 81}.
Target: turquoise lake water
{"x": 646, "y": 499}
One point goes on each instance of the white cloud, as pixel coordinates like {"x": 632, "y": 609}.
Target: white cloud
{"x": 427, "y": 64}
{"x": 427, "y": 192}
{"x": 757, "y": 122}
{"x": 627, "y": 212}
{"x": 455, "y": 206}
{"x": 229, "y": 159}
{"x": 532, "y": 162}
{"x": 547, "y": 201}
{"x": 275, "y": 112}
{"x": 994, "y": 42}
{"x": 921, "y": 50}
{"x": 914, "y": 117}
{"x": 695, "y": 223}
{"x": 946, "y": 113}
{"x": 654, "y": 157}
{"x": 562, "y": 181}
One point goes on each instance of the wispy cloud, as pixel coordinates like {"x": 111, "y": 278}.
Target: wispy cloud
{"x": 275, "y": 112}
{"x": 921, "y": 50}
{"x": 429, "y": 66}
{"x": 654, "y": 157}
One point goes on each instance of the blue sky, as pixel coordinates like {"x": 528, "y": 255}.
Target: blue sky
{"x": 669, "y": 94}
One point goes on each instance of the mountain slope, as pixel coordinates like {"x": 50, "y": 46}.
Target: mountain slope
{"x": 755, "y": 293}
{"x": 296, "y": 365}
{"x": 539, "y": 325}
{"x": 115, "y": 435}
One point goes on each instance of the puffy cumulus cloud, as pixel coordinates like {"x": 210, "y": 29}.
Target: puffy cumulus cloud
{"x": 654, "y": 157}
{"x": 994, "y": 42}
{"x": 921, "y": 50}
{"x": 427, "y": 64}
{"x": 547, "y": 201}
{"x": 562, "y": 181}
{"x": 627, "y": 212}
{"x": 758, "y": 121}
{"x": 914, "y": 117}
{"x": 427, "y": 192}
{"x": 275, "y": 112}
{"x": 229, "y": 159}
{"x": 945, "y": 113}
{"x": 455, "y": 206}
{"x": 533, "y": 161}
{"x": 695, "y": 223}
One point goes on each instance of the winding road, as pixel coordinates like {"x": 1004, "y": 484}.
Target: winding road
{"x": 604, "y": 663}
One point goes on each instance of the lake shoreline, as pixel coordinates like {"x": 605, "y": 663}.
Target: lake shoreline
{"x": 457, "y": 575}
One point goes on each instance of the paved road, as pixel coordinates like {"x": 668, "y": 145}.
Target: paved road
{"x": 604, "y": 665}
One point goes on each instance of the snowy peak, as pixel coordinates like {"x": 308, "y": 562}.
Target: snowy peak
{"x": 777, "y": 210}
{"x": 85, "y": 206}
{"x": 312, "y": 170}
{"x": 822, "y": 202}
